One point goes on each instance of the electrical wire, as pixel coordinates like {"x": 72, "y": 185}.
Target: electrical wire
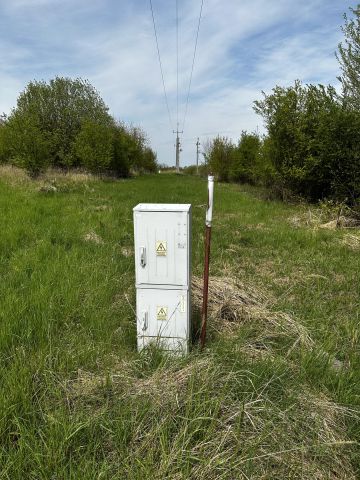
{"x": 160, "y": 64}
{"x": 193, "y": 63}
{"x": 177, "y": 65}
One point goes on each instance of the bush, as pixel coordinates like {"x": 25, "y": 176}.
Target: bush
{"x": 131, "y": 152}
{"x": 4, "y": 146}
{"x": 190, "y": 170}
{"x": 65, "y": 123}
{"x": 238, "y": 163}
{"x": 245, "y": 159}
{"x": 62, "y": 106}
{"x": 313, "y": 141}
{"x": 93, "y": 146}
{"x": 220, "y": 157}
{"x": 120, "y": 162}
{"x": 27, "y": 144}
{"x": 149, "y": 164}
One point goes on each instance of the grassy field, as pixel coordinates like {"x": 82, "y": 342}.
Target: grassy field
{"x": 276, "y": 393}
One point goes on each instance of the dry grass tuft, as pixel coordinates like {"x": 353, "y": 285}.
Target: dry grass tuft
{"x": 94, "y": 238}
{"x": 14, "y": 175}
{"x": 351, "y": 241}
{"x": 305, "y": 437}
{"x": 50, "y": 182}
{"x": 232, "y": 303}
{"x": 127, "y": 251}
{"x": 54, "y": 175}
{"x": 163, "y": 385}
{"x": 301, "y": 436}
{"x": 341, "y": 222}
{"x": 102, "y": 208}
{"x": 324, "y": 218}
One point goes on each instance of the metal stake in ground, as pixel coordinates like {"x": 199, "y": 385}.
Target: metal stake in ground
{"x": 207, "y": 258}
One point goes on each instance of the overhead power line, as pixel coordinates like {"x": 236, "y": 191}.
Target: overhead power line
{"x": 160, "y": 64}
{"x": 193, "y": 63}
{"x": 177, "y": 65}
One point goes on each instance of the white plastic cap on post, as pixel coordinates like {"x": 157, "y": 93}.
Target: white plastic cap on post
{"x": 210, "y": 201}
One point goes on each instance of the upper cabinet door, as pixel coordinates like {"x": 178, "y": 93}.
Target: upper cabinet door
{"x": 162, "y": 248}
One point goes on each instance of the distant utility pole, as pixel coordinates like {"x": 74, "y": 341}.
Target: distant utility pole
{"x": 197, "y": 155}
{"x": 178, "y": 149}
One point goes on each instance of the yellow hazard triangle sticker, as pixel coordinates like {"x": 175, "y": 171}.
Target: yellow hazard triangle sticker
{"x": 161, "y": 313}
{"x": 161, "y": 248}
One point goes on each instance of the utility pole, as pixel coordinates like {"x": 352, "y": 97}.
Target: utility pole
{"x": 197, "y": 155}
{"x": 178, "y": 149}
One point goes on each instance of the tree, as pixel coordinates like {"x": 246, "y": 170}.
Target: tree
{"x": 149, "y": 161}
{"x": 245, "y": 158}
{"x": 349, "y": 58}
{"x": 120, "y": 163}
{"x": 26, "y": 143}
{"x": 4, "y": 149}
{"x": 313, "y": 141}
{"x": 94, "y": 146}
{"x": 219, "y": 157}
{"x": 138, "y": 144}
{"x": 62, "y": 106}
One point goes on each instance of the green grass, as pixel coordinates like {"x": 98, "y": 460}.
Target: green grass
{"x": 78, "y": 402}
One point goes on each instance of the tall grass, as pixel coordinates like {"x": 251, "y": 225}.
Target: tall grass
{"x": 274, "y": 395}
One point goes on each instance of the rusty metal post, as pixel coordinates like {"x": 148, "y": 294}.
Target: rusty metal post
{"x": 207, "y": 259}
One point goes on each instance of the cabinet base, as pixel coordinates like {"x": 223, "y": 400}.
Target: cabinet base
{"x": 170, "y": 344}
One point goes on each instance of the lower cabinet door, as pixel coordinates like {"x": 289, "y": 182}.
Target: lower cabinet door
{"x": 162, "y": 313}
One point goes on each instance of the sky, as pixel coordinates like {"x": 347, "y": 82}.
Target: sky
{"x": 244, "y": 47}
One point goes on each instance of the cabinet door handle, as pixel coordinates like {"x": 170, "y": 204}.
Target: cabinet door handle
{"x": 143, "y": 257}
{"x": 144, "y": 321}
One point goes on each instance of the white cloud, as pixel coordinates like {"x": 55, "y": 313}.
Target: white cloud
{"x": 244, "y": 47}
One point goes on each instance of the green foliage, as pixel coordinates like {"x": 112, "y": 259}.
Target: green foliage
{"x": 201, "y": 170}
{"x": 245, "y": 159}
{"x": 149, "y": 163}
{"x": 349, "y": 58}
{"x": 238, "y": 163}
{"x": 120, "y": 162}
{"x": 94, "y": 146}
{"x": 190, "y": 170}
{"x": 131, "y": 152}
{"x": 220, "y": 158}
{"x": 4, "y": 147}
{"x": 27, "y": 144}
{"x": 313, "y": 141}
{"x": 62, "y": 106}
{"x": 65, "y": 123}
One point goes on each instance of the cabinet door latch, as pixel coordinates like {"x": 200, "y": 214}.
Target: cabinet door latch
{"x": 144, "y": 321}
{"x": 143, "y": 257}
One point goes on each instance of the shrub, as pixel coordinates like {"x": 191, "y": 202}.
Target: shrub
{"x": 27, "y": 144}
{"x": 245, "y": 159}
{"x": 190, "y": 170}
{"x": 313, "y": 141}
{"x": 93, "y": 146}
{"x": 67, "y": 123}
{"x": 149, "y": 163}
{"x": 62, "y": 106}
{"x": 220, "y": 156}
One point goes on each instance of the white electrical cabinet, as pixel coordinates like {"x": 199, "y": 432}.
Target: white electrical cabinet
{"x": 163, "y": 276}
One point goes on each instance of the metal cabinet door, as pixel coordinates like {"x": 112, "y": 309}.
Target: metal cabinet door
{"x": 161, "y": 248}
{"x": 162, "y": 313}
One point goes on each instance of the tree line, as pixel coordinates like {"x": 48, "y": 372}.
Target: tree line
{"x": 312, "y": 144}
{"x": 66, "y": 124}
